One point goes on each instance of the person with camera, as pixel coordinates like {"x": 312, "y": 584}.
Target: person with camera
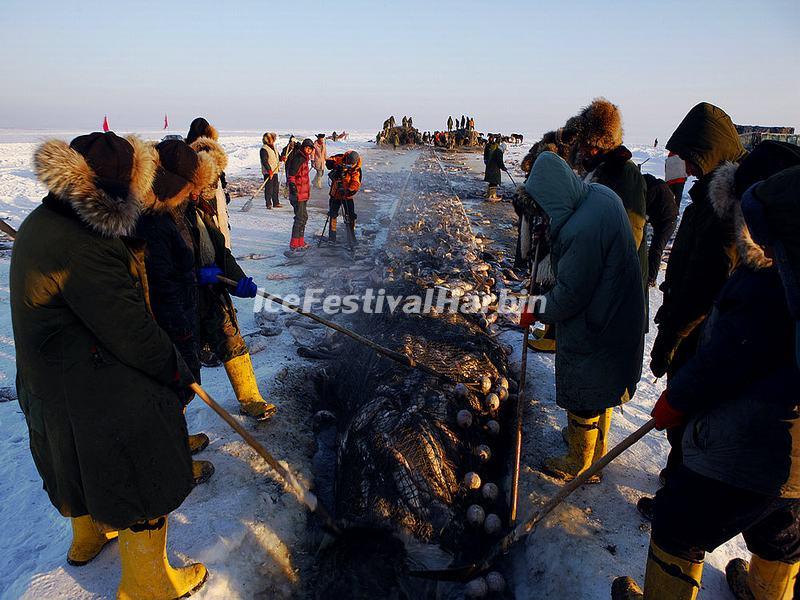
{"x": 345, "y": 175}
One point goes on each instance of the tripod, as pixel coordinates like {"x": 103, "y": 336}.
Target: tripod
{"x": 350, "y": 227}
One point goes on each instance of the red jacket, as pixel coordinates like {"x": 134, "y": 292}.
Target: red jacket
{"x": 297, "y": 174}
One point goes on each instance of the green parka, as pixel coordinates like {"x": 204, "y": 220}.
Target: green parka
{"x": 96, "y": 376}
{"x": 597, "y": 304}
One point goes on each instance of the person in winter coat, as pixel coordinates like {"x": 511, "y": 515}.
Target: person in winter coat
{"x": 450, "y": 123}
{"x": 97, "y": 379}
{"x": 217, "y": 325}
{"x": 320, "y": 156}
{"x": 216, "y": 193}
{"x": 169, "y": 261}
{"x": 738, "y": 396}
{"x": 270, "y": 162}
{"x": 493, "y": 155}
{"x": 345, "y": 175}
{"x": 662, "y": 214}
{"x": 299, "y": 191}
{"x": 596, "y": 304}
{"x": 710, "y": 217}
{"x": 609, "y": 163}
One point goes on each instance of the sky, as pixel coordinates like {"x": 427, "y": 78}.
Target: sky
{"x": 516, "y": 66}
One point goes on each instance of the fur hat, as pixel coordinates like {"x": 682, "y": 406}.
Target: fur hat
{"x": 307, "y": 143}
{"x": 600, "y": 125}
{"x": 201, "y": 128}
{"x": 103, "y": 177}
{"x": 180, "y": 172}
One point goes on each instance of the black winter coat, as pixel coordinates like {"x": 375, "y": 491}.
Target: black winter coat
{"x": 702, "y": 258}
{"x": 743, "y": 388}
{"x": 662, "y": 214}
{"x": 494, "y": 165}
{"x": 170, "y": 264}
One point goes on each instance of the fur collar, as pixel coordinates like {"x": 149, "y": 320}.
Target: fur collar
{"x": 728, "y": 207}
{"x": 213, "y": 150}
{"x": 68, "y": 177}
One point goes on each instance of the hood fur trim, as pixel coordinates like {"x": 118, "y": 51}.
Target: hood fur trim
{"x": 68, "y": 176}
{"x": 600, "y": 125}
{"x": 214, "y": 151}
{"x": 728, "y": 206}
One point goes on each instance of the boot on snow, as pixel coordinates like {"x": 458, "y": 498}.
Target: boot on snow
{"x": 332, "y": 231}
{"x": 544, "y": 340}
{"x": 582, "y": 437}
{"x": 202, "y": 470}
{"x": 243, "y": 379}
{"x": 146, "y": 572}
{"x": 198, "y": 442}
{"x": 603, "y": 427}
{"x": 667, "y": 578}
{"x": 87, "y": 540}
{"x": 761, "y": 579}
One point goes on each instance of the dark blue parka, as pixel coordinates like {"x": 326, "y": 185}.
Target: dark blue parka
{"x": 743, "y": 388}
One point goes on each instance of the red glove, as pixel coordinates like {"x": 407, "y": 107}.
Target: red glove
{"x": 665, "y": 415}
{"x": 527, "y": 318}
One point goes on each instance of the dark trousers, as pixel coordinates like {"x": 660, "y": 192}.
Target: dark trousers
{"x": 300, "y": 216}
{"x": 271, "y": 190}
{"x": 696, "y": 514}
{"x": 217, "y": 324}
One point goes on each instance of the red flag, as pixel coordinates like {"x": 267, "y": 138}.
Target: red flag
{"x": 105, "y": 123}
{"x": 166, "y": 123}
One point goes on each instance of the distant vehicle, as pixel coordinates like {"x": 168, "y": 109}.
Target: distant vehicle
{"x": 172, "y": 136}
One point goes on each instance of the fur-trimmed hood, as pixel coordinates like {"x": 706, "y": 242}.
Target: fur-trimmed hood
{"x": 213, "y": 150}
{"x": 69, "y": 178}
{"x": 727, "y": 207}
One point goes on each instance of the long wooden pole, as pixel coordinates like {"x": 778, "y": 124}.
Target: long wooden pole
{"x": 522, "y": 530}
{"x": 302, "y": 493}
{"x": 523, "y": 369}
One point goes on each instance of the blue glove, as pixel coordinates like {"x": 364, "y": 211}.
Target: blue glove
{"x": 208, "y": 275}
{"x": 246, "y": 288}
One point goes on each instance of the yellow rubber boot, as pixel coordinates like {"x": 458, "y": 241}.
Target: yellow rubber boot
{"x": 87, "y": 540}
{"x": 670, "y": 578}
{"x": 544, "y": 340}
{"x": 146, "y": 573}
{"x": 581, "y": 440}
{"x": 603, "y": 427}
{"x": 772, "y": 579}
{"x": 243, "y": 379}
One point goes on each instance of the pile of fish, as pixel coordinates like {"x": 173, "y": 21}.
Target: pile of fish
{"x": 413, "y": 464}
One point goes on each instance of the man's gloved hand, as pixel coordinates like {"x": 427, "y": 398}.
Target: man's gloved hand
{"x": 246, "y": 288}
{"x": 208, "y": 275}
{"x": 665, "y": 415}
{"x": 527, "y": 318}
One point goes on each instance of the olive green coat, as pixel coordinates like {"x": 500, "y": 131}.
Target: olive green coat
{"x": 95, "y": 374}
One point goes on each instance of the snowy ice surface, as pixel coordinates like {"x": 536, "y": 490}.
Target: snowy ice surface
{"x": 248, "y": 531}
